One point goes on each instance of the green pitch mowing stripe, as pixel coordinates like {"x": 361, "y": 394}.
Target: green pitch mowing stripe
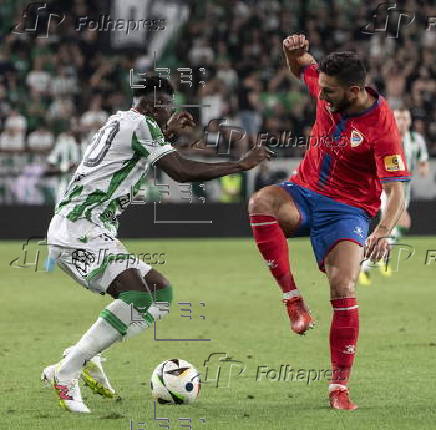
{"x": 393, "y": 381}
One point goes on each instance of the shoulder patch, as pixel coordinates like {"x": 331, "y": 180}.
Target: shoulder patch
{"x": 394, "y": 163}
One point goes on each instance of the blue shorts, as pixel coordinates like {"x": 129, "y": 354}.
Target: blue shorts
{"x": 326, "y": 221}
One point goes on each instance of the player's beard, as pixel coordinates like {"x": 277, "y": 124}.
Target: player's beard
{"x": 341, "y": 106}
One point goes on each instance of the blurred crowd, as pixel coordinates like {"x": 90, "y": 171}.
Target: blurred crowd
{"x": 55, "y": 92}
{"x": 250, "y": 85}
{"x": 56, "y": 87}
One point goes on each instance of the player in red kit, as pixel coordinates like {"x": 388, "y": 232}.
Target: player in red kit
{"x": 354, "y": 151}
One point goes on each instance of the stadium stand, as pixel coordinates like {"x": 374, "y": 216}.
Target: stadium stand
{"x": 56, "y": 91}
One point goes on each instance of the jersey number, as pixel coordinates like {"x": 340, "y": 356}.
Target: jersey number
{"x": 100, "y": 144}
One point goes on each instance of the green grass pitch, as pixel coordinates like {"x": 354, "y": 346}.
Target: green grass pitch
{"x": 393, "y": 381}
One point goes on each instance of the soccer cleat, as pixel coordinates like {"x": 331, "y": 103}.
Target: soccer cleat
{"x": 364, "y": 278}
{"x": 94, "y": 377}
{"x": 299, "y": 314}
{"x": 47, "y": 375}
{"x": 70, "y": 397}
{"x": 340, "y": 399}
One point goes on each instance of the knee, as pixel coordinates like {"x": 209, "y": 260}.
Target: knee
{"x": 342, "y": 286}
{"x": 146, "y": 305}
{"x": 262, "y": 202}
{"x": 155, "y": 282}
{"x": 162, "y": 297}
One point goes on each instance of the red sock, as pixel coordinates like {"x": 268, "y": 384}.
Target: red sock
{"x": 344, "y": 332}
{"x": 273, "y": 246}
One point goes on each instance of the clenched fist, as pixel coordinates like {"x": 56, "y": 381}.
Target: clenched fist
{"x": 295, "y": 45}
{"x": 179, "y": 121}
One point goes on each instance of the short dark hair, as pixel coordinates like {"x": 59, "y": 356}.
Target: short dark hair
{"x": 148, "y": 84}
{"x": 345, "y": 66}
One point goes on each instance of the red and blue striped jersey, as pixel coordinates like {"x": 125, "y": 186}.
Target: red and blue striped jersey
{"x": 350, "y": 156}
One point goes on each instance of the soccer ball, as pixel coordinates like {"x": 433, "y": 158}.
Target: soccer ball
{"x": 175, "y": 381}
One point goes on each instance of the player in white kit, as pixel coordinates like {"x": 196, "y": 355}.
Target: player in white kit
{"x": 82, "y": 236}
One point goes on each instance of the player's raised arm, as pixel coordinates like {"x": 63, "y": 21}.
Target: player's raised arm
{"x": 295, "y": 48}
{"x": 183, "y": 170}
{"x": 149, "y": 139}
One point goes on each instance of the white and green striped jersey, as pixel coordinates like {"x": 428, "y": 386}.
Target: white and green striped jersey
{"x": 113, "y": 168}
{"x": 415, "y": 149}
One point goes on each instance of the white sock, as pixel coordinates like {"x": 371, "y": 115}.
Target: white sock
{"x": 126, "y": 322}
{"x": 333, "y": 387}
{"x": 156, "y": 310}
{"x": 100, "y": 336}
{"x": 293, "y": 293}
{"x": 135, "y": 328}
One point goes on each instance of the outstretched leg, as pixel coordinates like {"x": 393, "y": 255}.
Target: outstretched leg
{"x": 136, "y": 306}
{"x": 273, "y": 217}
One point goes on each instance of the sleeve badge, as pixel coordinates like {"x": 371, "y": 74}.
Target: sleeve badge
{"x": 394, "y": 163}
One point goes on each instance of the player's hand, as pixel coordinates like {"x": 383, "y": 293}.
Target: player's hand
{"x": 377, "y": 246}
{"x": 254, "y": 157}
{"x": 295, "y": 45}
{"x": 179, "y": 121}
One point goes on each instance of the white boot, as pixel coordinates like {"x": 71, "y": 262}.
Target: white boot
{"x": 94, "y": 376}
{"x": 70, "y": 397}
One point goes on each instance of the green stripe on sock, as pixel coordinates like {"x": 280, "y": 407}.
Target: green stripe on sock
{"x": 164, "y": 294}
{"x": 140, "y": 300}
{"x": 114, "y": 321}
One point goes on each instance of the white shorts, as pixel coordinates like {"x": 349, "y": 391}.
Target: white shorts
{"x": 89, "y": 253}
